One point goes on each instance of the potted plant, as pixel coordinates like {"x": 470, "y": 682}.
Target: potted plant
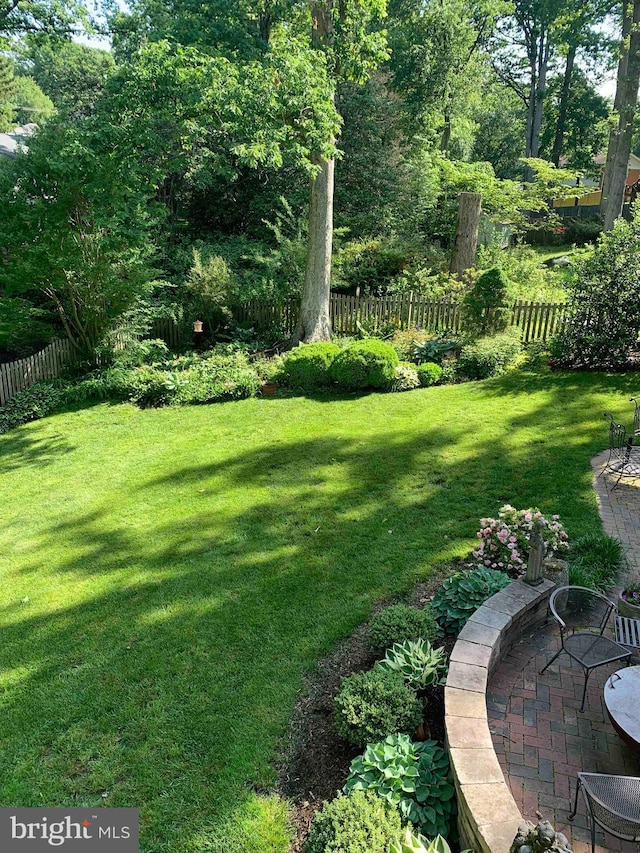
{"x": 629, "y": 601}
{"x": 269, "y": 370}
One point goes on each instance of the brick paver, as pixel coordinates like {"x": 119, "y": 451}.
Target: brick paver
{"x": 540, "y": 737}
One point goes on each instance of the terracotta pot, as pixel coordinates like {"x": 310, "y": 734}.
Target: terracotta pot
{"x": 269, "y": 388}
{"x": 625, "y": 608}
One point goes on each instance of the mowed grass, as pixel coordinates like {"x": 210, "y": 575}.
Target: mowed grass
{"x": 168, "y": 576}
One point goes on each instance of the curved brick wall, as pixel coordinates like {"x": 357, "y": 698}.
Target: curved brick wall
{"x": 488, "y": 817}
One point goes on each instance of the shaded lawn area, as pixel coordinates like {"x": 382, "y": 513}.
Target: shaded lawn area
{"x": 168, "y": 576}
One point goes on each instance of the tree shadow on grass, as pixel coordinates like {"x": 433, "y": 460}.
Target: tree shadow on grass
{"x": 32, "y": 446}
{"x": 168, "y": 676}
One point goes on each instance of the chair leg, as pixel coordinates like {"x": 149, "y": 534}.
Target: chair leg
{"x": 572, "y": 814}
{"x": 587, "y": 673}
{"x": 548, "y": 663}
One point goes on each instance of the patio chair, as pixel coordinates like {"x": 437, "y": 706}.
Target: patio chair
{"x": 576, "y": 607}
{"x": 624, "y": 458}
{"x": 613, "y": 804}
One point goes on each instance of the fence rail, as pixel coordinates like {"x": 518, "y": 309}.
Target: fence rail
{"x": 47, "y": 364}
{"x": 537, "y": 321}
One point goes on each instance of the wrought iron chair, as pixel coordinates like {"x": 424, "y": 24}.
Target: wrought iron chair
{"x": 624, "y": 458}
{"x": 613, "y": 804}
{"x": 574, "y": 608}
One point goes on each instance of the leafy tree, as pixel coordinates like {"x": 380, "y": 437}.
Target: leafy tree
{"x": 41, "y": 16}
{"x": 584, "y": 131}
{"x": 75, "y": 231}
{"x": 500, "y": 134}
{"x": 72, "y": 75}
{"x": 30, "y": 102}
{"x": 7, "y": 94}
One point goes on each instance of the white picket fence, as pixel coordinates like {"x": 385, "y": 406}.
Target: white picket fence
{"x": 47, "y": 364}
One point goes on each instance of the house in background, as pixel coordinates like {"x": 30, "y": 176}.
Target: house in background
{"x": 588, "y": 205}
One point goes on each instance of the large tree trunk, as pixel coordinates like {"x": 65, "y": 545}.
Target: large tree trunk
{"x": 466, "y": 244}
{"x": 558, "y": 141}
{"x": 627, "y": 100}
{"x": 623, "y": 57}
{"x": 539, "y": 52}
{"x": 315, "y": 322}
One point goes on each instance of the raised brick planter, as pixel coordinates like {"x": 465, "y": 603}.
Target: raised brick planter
{"x": 488, "y": 816}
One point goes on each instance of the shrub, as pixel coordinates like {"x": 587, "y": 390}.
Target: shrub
{"x": 603, "y": 313}
{"x": 418, "y": 663}
{"x": 406, "y": 378}
{"x": 398, "y": 623}
{"x": 404, "y": 342}
{"x": 414, "y": 777}
{"x": 416, "y": 843}
{"x": 360, "y": 823}
{"x": 487, "y": 304}
{"x": 373, "y": 704}
{"x": 429, "y": 373}
{"x": 38, "y": 401}
{"x": 366, "y": 364}
{"x": 308, "y": 366}
{"x": 217, "y": 378}
{"x": 142, "y": 352}
{"x": 114, "y": 383}
{"x": 488, "y": 356}
{"x": 595, "y": 561}
{"x": 503, "y": 542}
{"x": 462, "y": 594}
{"x": 152, "y": 387}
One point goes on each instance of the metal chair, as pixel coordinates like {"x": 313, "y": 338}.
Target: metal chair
{"x": 613, "y": 803}
{"x": 576, "y": 607}
{"x": 624, "y": 458}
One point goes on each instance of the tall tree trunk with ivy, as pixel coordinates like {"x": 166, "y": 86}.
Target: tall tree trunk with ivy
{"x": 558, "y": 141}
{"x": 620, "y": 139}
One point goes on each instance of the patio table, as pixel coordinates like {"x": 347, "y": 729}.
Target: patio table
{"x": 622, "y": 701}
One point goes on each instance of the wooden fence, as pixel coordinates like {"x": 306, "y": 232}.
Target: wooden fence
{"x": 47, "y": 364}
{"x": 537, "y": 321}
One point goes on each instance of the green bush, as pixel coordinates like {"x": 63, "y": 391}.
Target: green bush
{"x": 487, "y": 304}
{"x": 371, "y": 265}
{"x": 595, "y": 560}
{"x": 362, "y": 822}
{"x": 462, "y": 594}
{"x": 217, "y": 378}
{"x": 406, "y": 378}
{"x": 38, "y": 401}
{"x": 114, "y": 383}
{"x": 433, "y": 351}
{"x": 366, "y": 364}
{"x": 414, "y": 777}
{"x": 308, "y": 366}
{"x": 603, "y": 313}
{"x": 404, "y": 342}
{"x": 371, "y": 705}
{"x": 488, "y": 356}
{"x": 142, "y": 352}
{"x": 398, "y": 623}
{"x": 418, "y": 663}
{"x": 429, "y": 373}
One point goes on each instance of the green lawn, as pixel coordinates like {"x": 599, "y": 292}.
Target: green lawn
{"x": 168, "y": 576}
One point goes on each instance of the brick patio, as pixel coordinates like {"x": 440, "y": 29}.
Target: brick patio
{"x": 539, "y": 735}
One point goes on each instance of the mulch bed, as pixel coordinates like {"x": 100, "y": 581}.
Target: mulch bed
{"x": 315, "y": 761}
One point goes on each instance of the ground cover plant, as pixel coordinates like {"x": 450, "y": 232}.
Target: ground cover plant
{"x": 167, "y": 576}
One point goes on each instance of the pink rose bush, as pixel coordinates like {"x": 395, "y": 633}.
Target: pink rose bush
{"x": 503, "y": 542}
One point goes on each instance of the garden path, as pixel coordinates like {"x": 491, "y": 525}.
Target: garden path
{"x": 540, "y": 737}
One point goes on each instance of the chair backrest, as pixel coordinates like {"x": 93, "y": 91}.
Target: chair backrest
{"x": 579, "y": 607}
{"x": 636, "y": 415}
{"x": 614, "y": 801}
{"x": 617, "y": 434}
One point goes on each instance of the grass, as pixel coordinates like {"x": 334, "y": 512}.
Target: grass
{"x": 168, "y": 576}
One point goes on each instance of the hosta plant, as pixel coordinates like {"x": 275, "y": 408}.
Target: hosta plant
{"x": 418, "y": 662}
{"x": 415, "y": 843}
{"x": 462, "y": 594}
{"x": 374, "y": 704}
{"x": 415, "y": 777}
